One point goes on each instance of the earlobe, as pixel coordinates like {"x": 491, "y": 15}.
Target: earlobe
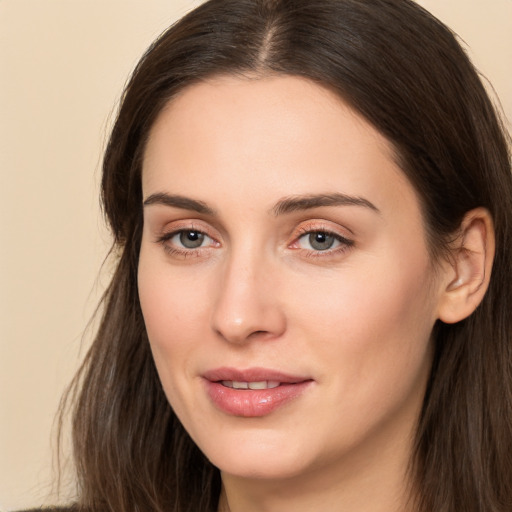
{"x": 468, "y": 275}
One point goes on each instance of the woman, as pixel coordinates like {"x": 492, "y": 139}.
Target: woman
{"x": 311, "y": 207}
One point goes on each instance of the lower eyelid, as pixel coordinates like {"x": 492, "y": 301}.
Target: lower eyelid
{"x": 181, "y": 252}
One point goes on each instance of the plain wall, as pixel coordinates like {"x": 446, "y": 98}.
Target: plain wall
{"x": 63, "y": 64}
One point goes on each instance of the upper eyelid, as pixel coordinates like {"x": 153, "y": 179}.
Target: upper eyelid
{"x": 336, "y": 235}
{"x": 177, "y": 226}
{"x": 168, "y": 235}
{"x": 324, "y": 226}
{"x": 319, "y": 229}
{"x": 347, "y": 242}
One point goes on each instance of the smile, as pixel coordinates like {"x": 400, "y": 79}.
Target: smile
{"x": 264, "y": 384}
{"x": 253, "y": 392}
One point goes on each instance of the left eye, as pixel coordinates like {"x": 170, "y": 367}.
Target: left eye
{"x": 319, "y": 241}
{"x": 190, "y": 239}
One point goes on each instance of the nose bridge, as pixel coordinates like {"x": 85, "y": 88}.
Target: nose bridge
{"x": 246, "y": 304}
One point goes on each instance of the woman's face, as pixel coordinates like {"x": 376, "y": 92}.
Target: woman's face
{"x": 284, "y": 279}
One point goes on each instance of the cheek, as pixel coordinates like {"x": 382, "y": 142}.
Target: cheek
{"x": 372, "y": 326}
{"x": 170, "y": 301}
{"x": 175, "y": 314}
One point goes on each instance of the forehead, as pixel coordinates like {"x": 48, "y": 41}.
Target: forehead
{"x": 278, "y": 135}
{"x": 268, "y": 104}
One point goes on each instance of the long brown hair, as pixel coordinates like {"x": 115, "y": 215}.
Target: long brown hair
{"x": 405, "y": 72}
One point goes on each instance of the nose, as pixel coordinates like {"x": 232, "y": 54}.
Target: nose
{"x": 247, "y": 303}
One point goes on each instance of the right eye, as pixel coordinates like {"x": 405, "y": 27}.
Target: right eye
{"x": 186, "y": 239}
{"x": 189, "y": 239}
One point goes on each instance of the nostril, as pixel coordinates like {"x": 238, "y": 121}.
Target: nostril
{"x": 246, "y": 310}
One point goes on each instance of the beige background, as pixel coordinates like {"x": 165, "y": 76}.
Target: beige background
{"x": 62, "y": 67}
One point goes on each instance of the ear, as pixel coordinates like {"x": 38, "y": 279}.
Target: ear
{"x": 468, "y": 271}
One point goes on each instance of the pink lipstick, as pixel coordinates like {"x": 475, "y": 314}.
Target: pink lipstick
{"x": 253, "y": 392}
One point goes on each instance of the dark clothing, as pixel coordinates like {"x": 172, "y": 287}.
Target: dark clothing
{"x": 51, "y": 509}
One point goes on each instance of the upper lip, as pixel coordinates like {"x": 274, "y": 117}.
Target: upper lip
{"x": 251, "y": 375}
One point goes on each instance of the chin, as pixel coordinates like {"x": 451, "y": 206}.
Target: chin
{"x": 255, "y": 455}
{"x": 277, "y": 467}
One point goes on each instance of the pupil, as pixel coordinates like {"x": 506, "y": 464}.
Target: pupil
{"x": 321, "y": 241}
{"x": 191, "y": 239}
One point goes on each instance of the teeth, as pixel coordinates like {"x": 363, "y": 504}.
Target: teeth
{"x": 258, "y": 385}
{"x": 264, "y": 384}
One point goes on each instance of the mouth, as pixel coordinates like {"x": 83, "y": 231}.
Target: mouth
{"x": 258, "y": 378}
{"x": 253, "y": 392}
{"x": 264, "y": 384}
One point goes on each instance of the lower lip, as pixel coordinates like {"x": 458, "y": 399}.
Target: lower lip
{"x": 253, "y": 403}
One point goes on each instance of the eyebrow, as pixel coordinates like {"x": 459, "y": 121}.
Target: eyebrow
{"x": 177, "y": 201}
{"x": 286, "y": 205}
{"x": 307, "y": 202}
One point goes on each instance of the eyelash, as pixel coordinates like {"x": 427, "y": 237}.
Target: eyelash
{"x": 344, "y": 243}
{"x": 173, "y": 250}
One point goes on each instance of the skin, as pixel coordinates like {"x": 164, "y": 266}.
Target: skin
{"x": 355, "y": 318}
